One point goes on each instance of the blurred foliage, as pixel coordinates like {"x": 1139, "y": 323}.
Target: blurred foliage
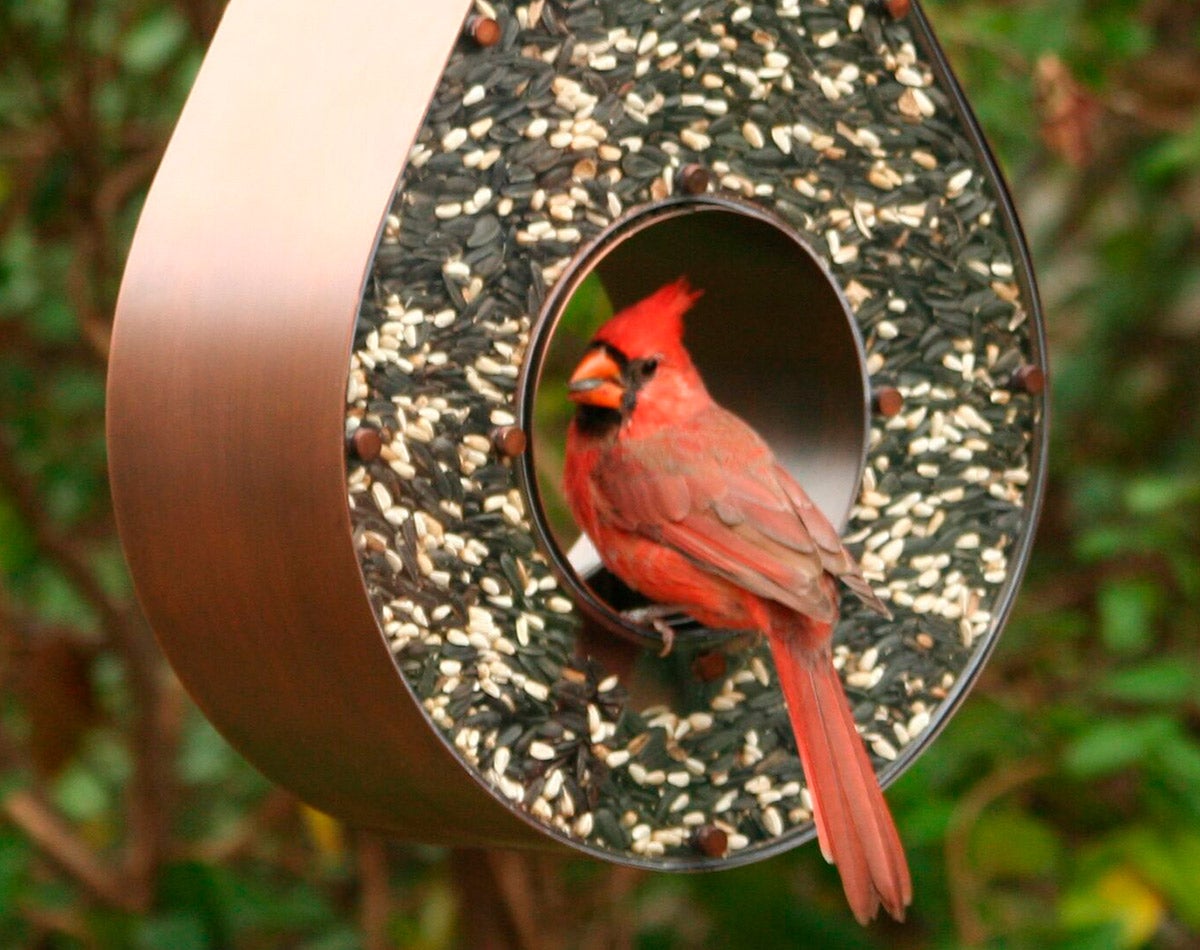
{"x": 1060, "y": 808}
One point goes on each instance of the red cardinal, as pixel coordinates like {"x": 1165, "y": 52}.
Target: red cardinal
{"x": 687, "y": 504}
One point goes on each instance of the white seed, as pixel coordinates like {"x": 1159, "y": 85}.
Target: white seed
{"x": 883, "y": 749}
{"x": 453, "y": 139}
{"x": 958, "y": 182}
{"x": 616, "y": 759}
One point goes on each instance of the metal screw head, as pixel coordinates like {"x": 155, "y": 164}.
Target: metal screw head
{"x": 710, "y": 841}
{"x": 888, "y": 401}
{"x": 693, "y": 179}
{"x": 1029, "y": 379}
{"x": 484, "y": 30}
{"x": 510, "y": 441}
{"x": 366, "y": 443}
{"x": 709, "y": 666}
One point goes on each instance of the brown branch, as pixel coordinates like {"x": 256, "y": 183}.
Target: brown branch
{"x": 51, "y": 833}
{"x": 495, "y": 907}
{"x": 519, "y": 900}
{"x": 964, "y": 885}
{"x": 155, "y": 734}
{"x": 375, "y": 901}
{"x": 151, "y": 785}
{"x": 613, "y": 926}
{"x": 60, "y": 122}
{"x": 82, "y": 272}
{"x": 240, "y": 840}
{"x": 54, "y": 543}
{"x": 70, "y": 923}
{"x": 126, "y": 180}
{"x": 512, "y": 873}
{"x": 202, "y": 15}
{"x": 16, "y": 340}
{"x": 55, "y": 838}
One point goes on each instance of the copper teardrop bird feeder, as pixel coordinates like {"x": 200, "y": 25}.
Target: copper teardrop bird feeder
{"x": 333, "y": 427}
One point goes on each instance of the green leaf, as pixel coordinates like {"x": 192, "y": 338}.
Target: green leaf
{"x": 1163, "y": 681}
{"x": 293, "y": 905}
{"x": 81, "y": 794}
{"x": 1174, "y": 155}
{"x": 178, "y": 931}
{"x": 1128, "y": 609}
{"x": 1010, "y": 843}
{"x": 1183, "y": 881}
{"x": 1111, "y": 745}
{"x": 588, "y": 307}
{"x": 1120, "y": 898}
{"x": 1120, "y": 35}
{"x": 1159, "y": 492}
{"x": 1178, "y": 758}
{"x": 193, "y": 892}
{"x": 14, "y": 865}
{"x": 153, "y": 41}
{"x": 17, "y": 550}
{"x": 205, "y": 758}
{"x": 1169, "y": 860}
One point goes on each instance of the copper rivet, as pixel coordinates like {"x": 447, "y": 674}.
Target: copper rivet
{"x": 693, "y": 179}
{"x": 484, "y": 30}
{"x": 509, "y": 440}
{"x": 888, "y": 401}
{"x": 710, "y": 841}
{"x": 709, "y": 666}
{"x": 366, "y": 443}
{"x": 1029, "y": 379}
{"x": 899, "y": 9}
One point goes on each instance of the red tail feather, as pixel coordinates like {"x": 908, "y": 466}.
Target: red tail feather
{"x": 854, "y": 826}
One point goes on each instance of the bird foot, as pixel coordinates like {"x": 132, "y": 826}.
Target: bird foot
{"x": 654, "y": 616}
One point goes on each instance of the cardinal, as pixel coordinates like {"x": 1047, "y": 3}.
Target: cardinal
{"x": 687, "y": 505}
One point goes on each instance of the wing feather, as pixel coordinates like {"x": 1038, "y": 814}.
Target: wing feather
{"x": 722, "y": 501}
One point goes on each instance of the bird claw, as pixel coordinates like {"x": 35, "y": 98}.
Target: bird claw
{"x": 667, "y": 632}
{"x": 654, "y": 616}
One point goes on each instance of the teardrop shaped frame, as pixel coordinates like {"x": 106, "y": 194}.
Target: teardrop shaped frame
{"x": 228, "y": 405}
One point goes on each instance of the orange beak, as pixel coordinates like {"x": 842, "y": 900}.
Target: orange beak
{"x": 597, "y": 381}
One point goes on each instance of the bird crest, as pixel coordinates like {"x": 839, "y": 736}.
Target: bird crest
{"x": 653, "y": 324}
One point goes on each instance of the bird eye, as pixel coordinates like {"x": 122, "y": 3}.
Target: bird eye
{"x": 649, "y": 367}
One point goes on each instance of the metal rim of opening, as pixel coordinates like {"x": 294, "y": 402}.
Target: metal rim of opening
{"x": 633, "y": 225}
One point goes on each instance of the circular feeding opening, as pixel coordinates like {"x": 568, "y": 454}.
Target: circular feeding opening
{"x": 772, "y": 336}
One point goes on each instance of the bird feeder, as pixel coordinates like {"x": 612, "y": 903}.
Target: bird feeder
{"x": 333, "y": 430}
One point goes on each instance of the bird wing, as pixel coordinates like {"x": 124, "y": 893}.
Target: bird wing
{"x": 712, "y": 490}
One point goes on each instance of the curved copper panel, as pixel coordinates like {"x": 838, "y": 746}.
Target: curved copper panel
{"x": 227, "y": 394}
